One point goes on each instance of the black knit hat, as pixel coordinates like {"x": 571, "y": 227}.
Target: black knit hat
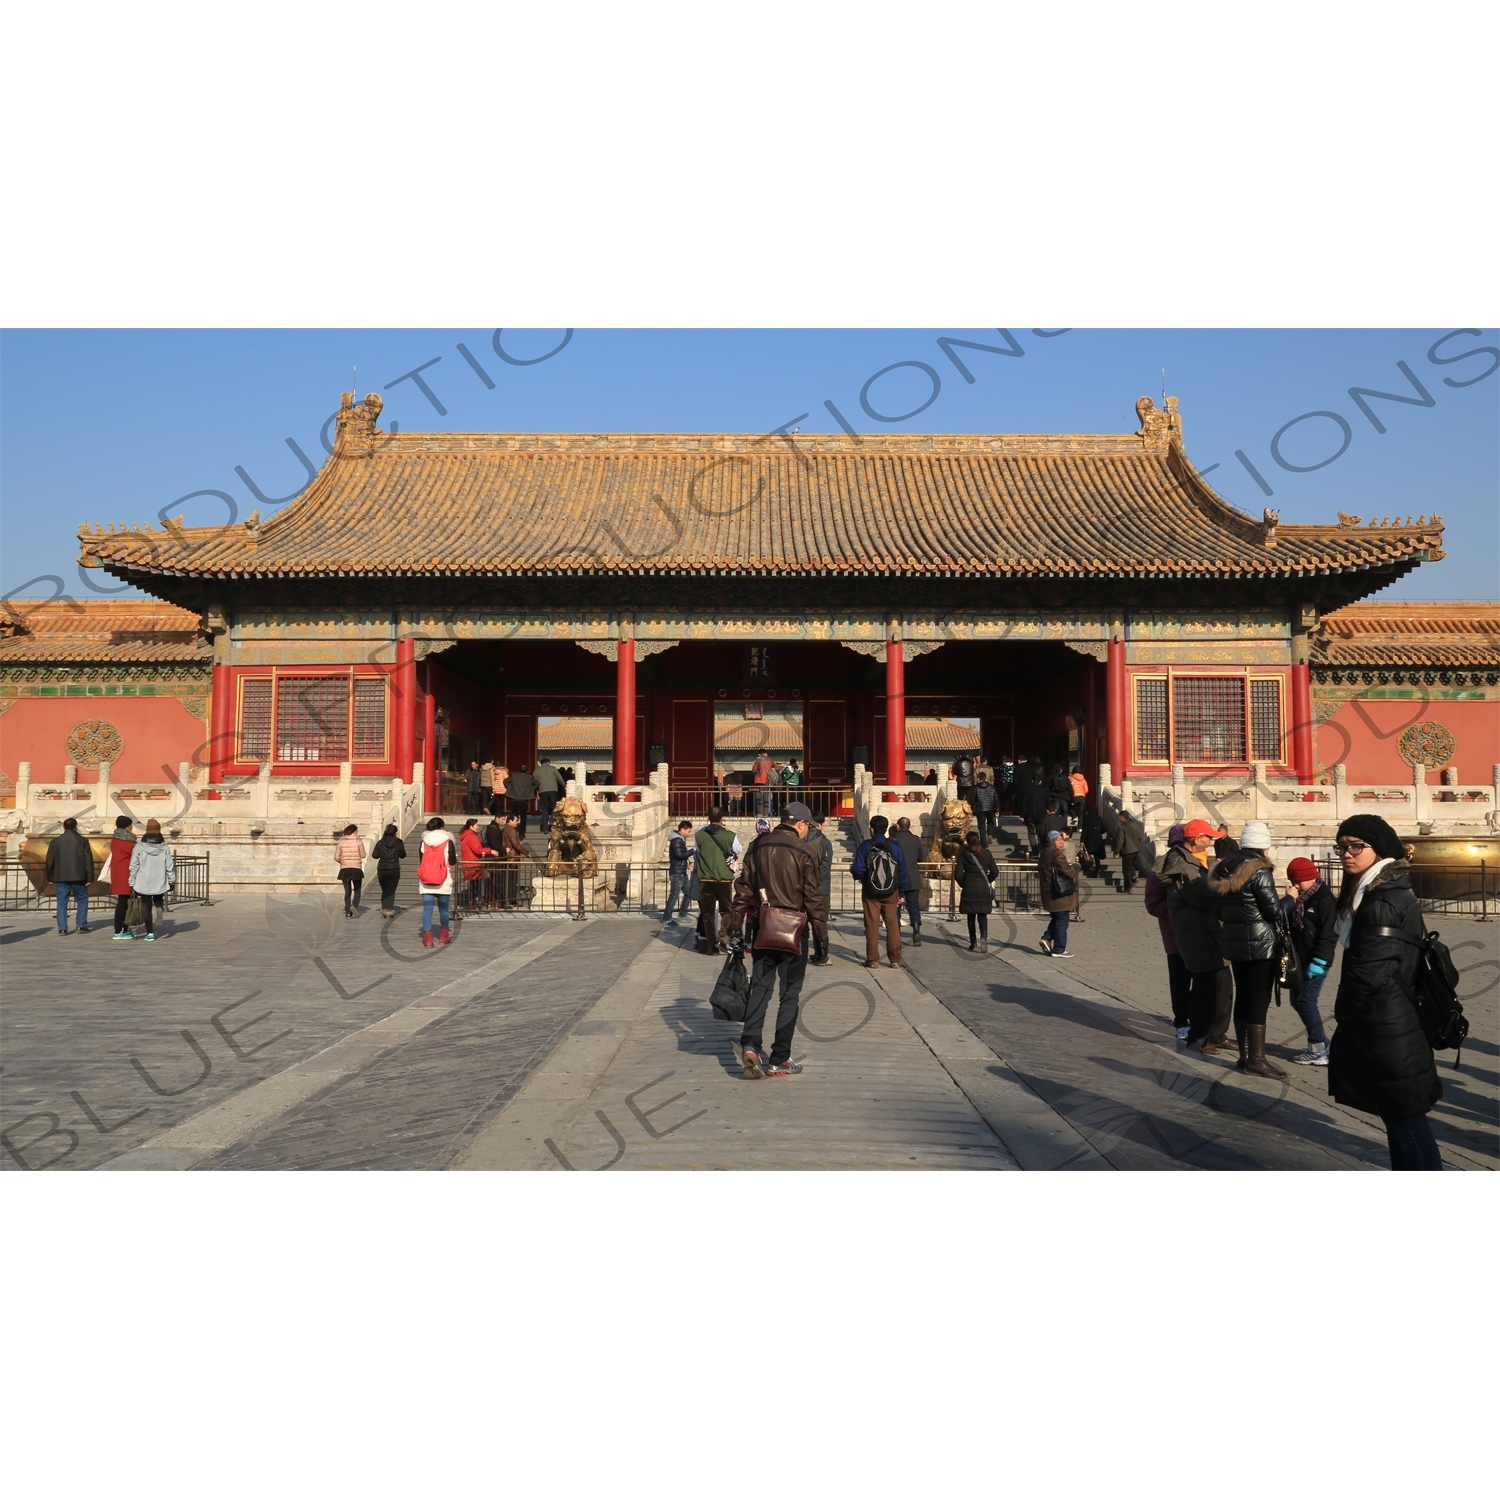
{"x": 1376, "y": 832}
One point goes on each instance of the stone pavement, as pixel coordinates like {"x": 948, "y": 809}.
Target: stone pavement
{"x": 271, "y": 1033}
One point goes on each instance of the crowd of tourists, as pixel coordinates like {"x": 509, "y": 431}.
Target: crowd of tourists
{"x": 497, "y": 790}
{"x": 1231, "y": 937}
{"x": 139, "y": 873}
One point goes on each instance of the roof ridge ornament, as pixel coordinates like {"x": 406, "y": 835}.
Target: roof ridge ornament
{"x": 1159, "y": 429}
{"x": 358, "y": 424}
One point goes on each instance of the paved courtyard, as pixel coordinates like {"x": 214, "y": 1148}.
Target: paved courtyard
{"x": 271, "y": 1033}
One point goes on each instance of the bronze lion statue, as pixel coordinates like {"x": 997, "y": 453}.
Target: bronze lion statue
{"x": 571, "y": 840}
{"x": 954, "y": 822}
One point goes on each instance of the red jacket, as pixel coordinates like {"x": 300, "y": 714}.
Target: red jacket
{"x": 120, "y": 851}
{"x": 472, "y": 849}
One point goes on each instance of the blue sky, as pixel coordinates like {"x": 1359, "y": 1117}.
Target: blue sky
{"x": 117, "y": 425}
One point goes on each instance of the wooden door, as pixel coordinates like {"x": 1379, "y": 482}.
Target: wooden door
{"x": 825, "y": 741}
{"x": 691, "y": 750}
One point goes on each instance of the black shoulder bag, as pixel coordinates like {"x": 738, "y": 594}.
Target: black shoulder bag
{"x": 1434, "y": 994}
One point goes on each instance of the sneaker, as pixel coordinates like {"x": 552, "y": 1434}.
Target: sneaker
{"x": 62, "y": 932}
{"x": 122, "y": 937}
{"x": 1316, "y": 1056}
{"x": 149, "y": 937}
{"x": 916, "y": 940}
{"x": 1183, "y": 1033}
{"x": 671, "y": 922}
{"x": 751, "y": 1060}
{"x": 1046, "y": 945}
{"x": 783, "y": 1070}
{"x": 869, "y": 963}
{"x": 84, "y": 928}
{"x": 1063, "y": 954}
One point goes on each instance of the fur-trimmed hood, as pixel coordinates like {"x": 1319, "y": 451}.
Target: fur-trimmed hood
{"x": 1388, "y": 876}
{"x": 1236, "y": 872}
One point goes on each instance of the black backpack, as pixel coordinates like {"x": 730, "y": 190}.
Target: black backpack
{"x": 1435, "y": 990}
{"x": 881, "y": 880}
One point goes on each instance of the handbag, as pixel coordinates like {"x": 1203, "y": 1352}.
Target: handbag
{"x": 134, "y": 915}
{"x": 731, "y": 992}
{"x": 1062, "y": 885}
{"x": 778, "y": 929}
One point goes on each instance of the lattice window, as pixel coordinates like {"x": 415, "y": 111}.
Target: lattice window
{"x": 1150, "y": 718}
{"x": 369, "y": 718}
{"x": 312, "y": 718}
{"x": 255, "y": 719}
{"x": 1265, "y": 719}
{"x": 1208, "y": 720}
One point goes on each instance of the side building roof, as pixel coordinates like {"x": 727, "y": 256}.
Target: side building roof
{"x": 1422, "y": 636}
{"x": 451, "y": 505}
{"x": 64, "y": 631}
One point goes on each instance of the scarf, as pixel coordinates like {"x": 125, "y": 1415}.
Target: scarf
{"x": 1297, "y": 910}
{"x": 1345, "y": 922}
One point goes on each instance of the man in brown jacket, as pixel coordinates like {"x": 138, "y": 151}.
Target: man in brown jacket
{"x": 779, "y": 870}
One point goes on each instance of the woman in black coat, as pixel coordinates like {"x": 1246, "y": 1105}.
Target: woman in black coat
{"x": 1250, "y": 920}
{"x": 388, "y": 853}
{"x": 974, "y": 871}
{"x": 1379, "y": 1060}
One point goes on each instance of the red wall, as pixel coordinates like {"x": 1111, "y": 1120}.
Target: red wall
{"x": 1365, "y": 732}
{"x": 158, "y": 732}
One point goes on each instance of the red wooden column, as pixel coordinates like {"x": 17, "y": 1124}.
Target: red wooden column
{"x": 895, "y": 714}
{"x": 429, "y": 743}
{"x": 1117, "y": 713}
{"x": 404, "y": 709}
{"x": 1304, "y": 755}
{"x": 221, "y": 746}
{"x": 624, "y": 769}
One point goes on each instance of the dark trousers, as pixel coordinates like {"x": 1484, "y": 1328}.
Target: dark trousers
{"x": 122, "y": 903}
{"x": 913, "y": 900}
{"x": 519, "y": 809}
{"x": 714, "y": 897}
{"x": 1305, "y": 1002}
{"x": 1057, "y": 930}
{"x": 474, "y": 799}
{"x": 792, "y": 969}
{"x": 389, "y": 880}
{"x": 1211, "y": 1005}
{"x": 1252, "y": 992}
{"x": 353, "y": 880}
{"x": 1034, "y": 836}
{"x": 1413, "y": 1146}
{"x": 1130, "y": 872}
{"x": 986, "y": 821}
{"x": 979, "y": 920}
{"x": 1180, "y": 982}
{"x": 545, "y": 802}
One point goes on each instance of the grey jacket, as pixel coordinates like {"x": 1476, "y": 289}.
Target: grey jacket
{"x": 152, "y": 868}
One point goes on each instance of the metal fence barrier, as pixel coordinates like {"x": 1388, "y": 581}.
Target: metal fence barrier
{"x": 1465, "y": 890}
{"x": 17, "y": 893}
{"x": 759, "y": 801}
{"x": 502, "y": 888}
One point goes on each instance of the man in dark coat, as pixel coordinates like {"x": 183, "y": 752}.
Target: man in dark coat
{"x": 1379, "y": 1060}
{"x": 1195, "y": 926}
{"x": 963, "y": 774}
{"x": 911, "y": 852}
{"x": 550, "y": 786}
{"x": 520, "y": 788}
{"x": 780, "y": 864}
{"x": 474, "y": 787}
{"x": 1031, "y": 805}
{"x": 1128, "y": 841}
{"x": 822, "y": 851}
{"x": 70, "y": 867}
{"x": 986, "y": 804}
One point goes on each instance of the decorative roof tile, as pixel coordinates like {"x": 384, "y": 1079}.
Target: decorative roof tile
{"x": 1398, "y": 634}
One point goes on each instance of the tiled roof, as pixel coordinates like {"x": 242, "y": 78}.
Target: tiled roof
{"x": 575, "y": 734}
{"x": 98, "y": 630}
{"x": 937, "y": 505}
{"x": 1410, "y": 635}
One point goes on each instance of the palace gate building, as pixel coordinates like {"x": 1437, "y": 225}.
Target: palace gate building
{"x": 1086, "y": 597}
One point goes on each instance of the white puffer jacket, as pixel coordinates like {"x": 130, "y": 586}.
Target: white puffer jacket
{"x": 437, "y": 836}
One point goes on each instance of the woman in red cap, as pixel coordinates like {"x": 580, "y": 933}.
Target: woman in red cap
{"x": 1310, "y": 915}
